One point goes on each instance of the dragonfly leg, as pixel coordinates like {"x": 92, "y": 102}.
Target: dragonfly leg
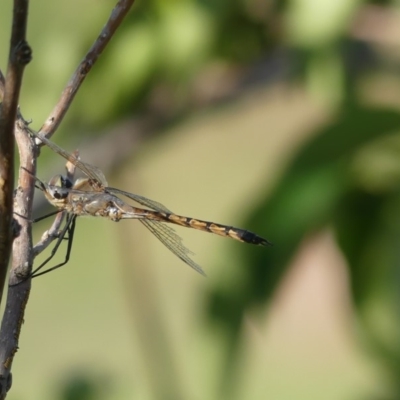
{"x": 40, "y": 218}
{"x": 69, "y": 229}
{"x": 45, "y": 216}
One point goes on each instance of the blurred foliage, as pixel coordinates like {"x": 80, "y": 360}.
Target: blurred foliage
{"x": 347, "y": 178}
{"x": 163, "y": 47}
{"x": 322, "y": 187}
{"x": 82, "y": 386}
{"x": 160, "y": 48}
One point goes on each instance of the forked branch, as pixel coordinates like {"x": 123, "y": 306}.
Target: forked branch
{"x": 19, "y": 56}
{"x": 59, "y": 111}
{"x": 23, "y": 253}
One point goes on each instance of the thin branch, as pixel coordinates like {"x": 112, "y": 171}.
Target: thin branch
{"x": 49, "y": 235}
{"x": 23, "y": 253}
{"x": 2, "y": 85}
{"x": 22, "y": 259}
{"x": 19, "y": 56}
{"x": 19, "y": 288}
{"x": 59, "y": 111}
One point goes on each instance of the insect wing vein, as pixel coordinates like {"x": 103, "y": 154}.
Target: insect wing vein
{"x": 90, "y": 170}
{"x": 155, "y": 205}
{"x": 172, "y": 241}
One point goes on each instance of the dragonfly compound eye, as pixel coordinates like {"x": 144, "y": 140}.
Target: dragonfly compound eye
{"x": 58, "y": 192}
{"x": 59, "y": 187}
{"x": 66, "y": 183}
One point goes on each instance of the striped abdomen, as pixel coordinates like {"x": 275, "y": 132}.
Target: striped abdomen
{"x": 221, "y": 230}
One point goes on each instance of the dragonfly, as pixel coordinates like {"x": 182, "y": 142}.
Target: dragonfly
{"x": 91, "y": 196}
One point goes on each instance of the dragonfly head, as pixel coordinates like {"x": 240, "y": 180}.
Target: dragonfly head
{"x": 59, "y": 187}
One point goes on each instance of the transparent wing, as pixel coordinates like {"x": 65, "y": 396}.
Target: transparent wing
{"x": 89, "y": 170}
{"x": 96, "y": 174}
{"x": 154, "y": 205}
{"x": 170, "y": 239}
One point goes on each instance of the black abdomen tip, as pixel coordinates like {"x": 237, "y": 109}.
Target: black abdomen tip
{"x": 252, "y": 238}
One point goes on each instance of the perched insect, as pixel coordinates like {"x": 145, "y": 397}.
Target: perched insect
{"x": 91, "y": 196}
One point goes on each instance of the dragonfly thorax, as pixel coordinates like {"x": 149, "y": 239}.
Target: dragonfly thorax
{"x": 113, "y": 213}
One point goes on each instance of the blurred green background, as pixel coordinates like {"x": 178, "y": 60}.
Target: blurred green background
{"x": 281, "y": 117}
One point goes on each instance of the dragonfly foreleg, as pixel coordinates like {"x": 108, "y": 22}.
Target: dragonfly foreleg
{"x": 45, "y": 216}
{"x": 69, "y": 229}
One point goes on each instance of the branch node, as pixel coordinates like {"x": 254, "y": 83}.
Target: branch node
{"x": 16, "y": 228}
{"x": 22, "y": 53}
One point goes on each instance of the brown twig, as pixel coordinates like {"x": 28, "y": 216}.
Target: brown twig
{"x": 22, "y": 259}
{"x": 19, "y": 56}
{"x": 2, "y": 85}
{"x": 49, "y": 235}
{"x": 19, "y": 289}
{"x": 59, "y": 111}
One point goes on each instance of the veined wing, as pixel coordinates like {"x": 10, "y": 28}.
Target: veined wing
{"x": 154, "y": 205}
{"x": 89, "y": 170}
{"x": 172, "y": 241}
{"x": 97, "y": 175}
